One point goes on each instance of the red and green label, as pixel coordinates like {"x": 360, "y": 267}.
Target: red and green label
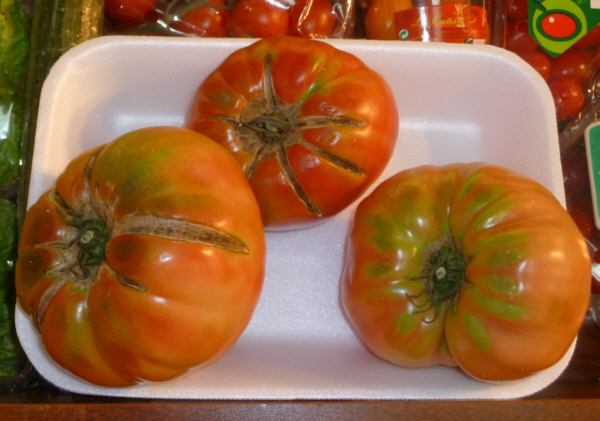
{"x": 558, "y": 24}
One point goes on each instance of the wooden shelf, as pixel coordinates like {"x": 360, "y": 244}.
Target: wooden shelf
{"x": 575, "y": 395}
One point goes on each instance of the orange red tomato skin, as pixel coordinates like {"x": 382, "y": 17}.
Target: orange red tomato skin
{"x": 527, "y": 272}
{"x": 325, "y": 81}
{"x": 159, "y": 305}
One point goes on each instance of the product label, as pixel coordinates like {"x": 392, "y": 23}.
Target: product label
{"x": 592, "y": 144}
{"x": 558, "y": 24}
{"x": 455, "y": 23}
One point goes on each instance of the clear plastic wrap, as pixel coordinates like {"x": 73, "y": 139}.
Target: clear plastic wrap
{"x": 452, "y": 21}
{"x": 14, "y": 46}
{"x": 231, "y": 18}
{"x": 573, "y": 77}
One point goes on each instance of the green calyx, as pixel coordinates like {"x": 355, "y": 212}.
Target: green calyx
{"x": 443, "y": 281}
{"x": 90, "y": 242}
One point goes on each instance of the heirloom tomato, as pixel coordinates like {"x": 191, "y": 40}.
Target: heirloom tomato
{"x": 145, "y": 260}
{"x": 470, "y": 265}
{"x": 312, "y": 126}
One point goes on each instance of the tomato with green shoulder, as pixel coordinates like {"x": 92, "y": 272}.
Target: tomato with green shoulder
{"x": 145, "y": 260}
{"x": 467, "y": 265}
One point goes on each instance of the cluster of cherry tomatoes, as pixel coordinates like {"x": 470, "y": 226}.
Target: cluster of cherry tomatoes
{"x": 568, "y": 75}
{"x": 225, "y": 18}
{"x": 569, "y": 79}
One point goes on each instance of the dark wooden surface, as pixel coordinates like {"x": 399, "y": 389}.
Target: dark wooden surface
{"x": 575, "y": 395}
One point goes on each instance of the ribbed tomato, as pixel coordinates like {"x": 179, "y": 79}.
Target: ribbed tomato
{"x": 470, "y": 265}
{"x": 311, "y": 125}
{"x": 145, "y": 260}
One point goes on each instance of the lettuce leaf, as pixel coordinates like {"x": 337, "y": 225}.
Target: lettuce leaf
{"x": 14, "y": 47}
{"x": 11, "y": 353}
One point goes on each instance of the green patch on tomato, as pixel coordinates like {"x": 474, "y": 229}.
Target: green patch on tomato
{"x": 506, "y": 257}
{"x": 498, "y": 307}
{"x": 501, "y": 284}
{"x": 484, "y": 199}
{"x": 477, "y": 331}
{"x": 379, "y": 270}
{"x": 507, "y": 239}
{"x": 405, "y": 322}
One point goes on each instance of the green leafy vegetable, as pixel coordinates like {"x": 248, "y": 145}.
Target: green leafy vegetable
{"x": 14, "y": 46}
{"x": 11, "y": 355}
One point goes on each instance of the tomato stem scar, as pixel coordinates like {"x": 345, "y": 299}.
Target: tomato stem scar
{"x": 268, "y": 127}
{"x": 442, "y": 280}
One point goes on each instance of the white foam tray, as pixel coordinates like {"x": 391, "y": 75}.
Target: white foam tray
{"x": 457, "y": 103}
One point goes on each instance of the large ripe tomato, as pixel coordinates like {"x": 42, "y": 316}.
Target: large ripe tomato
{"x": 312, "y": 19}
{"x": 469, "y": 265}
{"x": 311, "y": 125}
{"x": 129, "y": 10}
{"x": 147, "y": 258}
{"x": 259, "y": 19}
{"x": 207, "y": 20}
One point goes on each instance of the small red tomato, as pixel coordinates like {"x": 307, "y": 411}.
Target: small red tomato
{"x": 574, "y": 64}
{"x": 209, "y": 20}
{"x": 576, "y": 176}
{"x": 539, "y": 61}
{"x": 259, "y": 19}
{"x": 379, "y": 19}
{"x": 129, "y": 10}
{"x": 568, "y": 97}
{"x": 312, "y": 19}
{"x": 516, "y": 9}
{"x": 581, "y": 210}
{"x": 517, "y": 37}
{"x": 588, "y": 40}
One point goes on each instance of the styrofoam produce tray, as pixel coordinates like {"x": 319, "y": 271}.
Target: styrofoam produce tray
{"x": 457, "y": 103}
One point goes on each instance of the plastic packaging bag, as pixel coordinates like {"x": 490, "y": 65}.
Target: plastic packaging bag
{"x": 231, "y": 18}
